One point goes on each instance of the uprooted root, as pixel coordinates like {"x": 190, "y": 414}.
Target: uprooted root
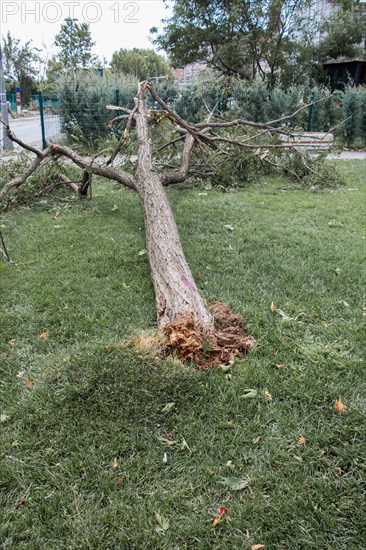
{"x": 209, "y": 346}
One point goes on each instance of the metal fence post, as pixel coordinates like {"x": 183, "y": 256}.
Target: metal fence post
{"x": 116, "y": 97}
{"x": 41, "y": 113}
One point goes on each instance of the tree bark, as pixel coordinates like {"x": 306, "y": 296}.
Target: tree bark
{"x": 174, "y": 286}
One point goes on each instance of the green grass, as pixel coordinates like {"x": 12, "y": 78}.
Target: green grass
{"x": 80, "y": 278}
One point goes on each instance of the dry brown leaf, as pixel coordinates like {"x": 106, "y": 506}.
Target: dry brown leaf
{"x": 256, "y": 440}
{"x": 56, "y": 215}
{"x": 115, "y": 463}
{"x": 339, "y": 406}
{"x": 43, "y": 336}
{"x": 273, "y": 308}
{"x": 280, "y": 366}
{"x": 257, "y": 546}
{"x": 301, "y": 440}
{"x": 28, "y": 382}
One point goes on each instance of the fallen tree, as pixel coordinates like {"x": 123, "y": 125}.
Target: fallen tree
{"x": 203, "y": 334}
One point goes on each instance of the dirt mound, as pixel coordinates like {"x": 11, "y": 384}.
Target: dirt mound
{"x": 209, "y": 346}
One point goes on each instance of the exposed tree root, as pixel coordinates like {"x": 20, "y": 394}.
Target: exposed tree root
{"x": 209, "y": 346}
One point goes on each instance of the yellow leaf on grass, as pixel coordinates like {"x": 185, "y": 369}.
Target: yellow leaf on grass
{"x": 302, "y": 440}
{"x": 28, "y": 382}
{"x": 216, "y": 521}
{"x": 339, "y": 406}
{"x": 273, "y": 308}
{"x": 267, "y": 394}
{"x": 115, "y": 463}
{"x": 256, "y": 440}
{"x": 257, "y": 546}
{"x": 43, "y": 336}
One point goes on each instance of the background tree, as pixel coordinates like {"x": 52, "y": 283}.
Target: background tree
{"x": 75, "y": 46}
{"x": 238, "y": 37}
{"x": 20, "y": 65}
{"x": 345, "y": 34}
{"x": 141, "y": 63}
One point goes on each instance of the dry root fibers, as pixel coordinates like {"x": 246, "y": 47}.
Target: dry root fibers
{"x": 215, "y": 345}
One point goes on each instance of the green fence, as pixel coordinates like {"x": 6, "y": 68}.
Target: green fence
{"x": 51, "y": 126}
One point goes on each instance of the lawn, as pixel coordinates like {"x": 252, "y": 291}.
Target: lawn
{"x": 106, "y": 446}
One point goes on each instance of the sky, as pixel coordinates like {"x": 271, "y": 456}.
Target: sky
{"x": 113, "y": 24}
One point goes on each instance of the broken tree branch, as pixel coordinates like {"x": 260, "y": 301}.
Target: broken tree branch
{"x": 124, "y": 138}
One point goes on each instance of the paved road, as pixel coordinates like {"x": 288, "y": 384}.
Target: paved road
{"x": 29, "y": 129}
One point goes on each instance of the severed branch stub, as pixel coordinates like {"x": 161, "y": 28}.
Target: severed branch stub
{"x": 205, "y": 334}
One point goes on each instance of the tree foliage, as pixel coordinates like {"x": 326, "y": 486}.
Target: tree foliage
{"x": 237, "y": 37}
{"x": 20, "y": 64}
{"x": 75, "y": 46}
{"x": 345, "y": 31}
{"x": 141, "y": 63}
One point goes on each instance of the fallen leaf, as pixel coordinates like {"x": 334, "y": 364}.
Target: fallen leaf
{"x": 216, "y": 521}
{"x": 301, "y": 440}
{"x": 115, "y": 463}
{"x": 4, "y": 417}
{"x": 273, "y": 308}
{"x": 56, "y": 215}
{"x": 339, "y": 406}
{"x": 168, "y": 407}
{"x": 267, "y": 394}
{"x": 166, "y": 441}
{"x": 280, "y": 366}
{"x": 257, "y": 546}
{"x": 284, "y": 316}
{"x": 235, "y": 483}
{"x": 12, "y": 342}
{"x": 229, "y": 227}
{"x": 28, "y": 382}
{"x": 162, "y": 521}
{"x": 184, "y": 445}
{"x": 43, "y": 336}
{"x": 249, "y": 394}
{"x": 256, "y": 440}
{"x": 142, "y": 252}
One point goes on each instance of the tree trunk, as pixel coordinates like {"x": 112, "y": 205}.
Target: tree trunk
{"x": 173, "y": 282}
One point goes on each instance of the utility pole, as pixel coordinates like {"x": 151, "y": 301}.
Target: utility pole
{"x": 5, "y": 142}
